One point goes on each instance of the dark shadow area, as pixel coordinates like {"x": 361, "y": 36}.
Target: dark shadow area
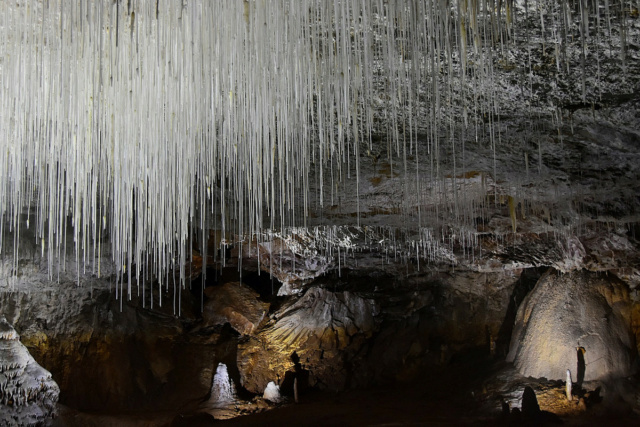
{"x": 263, "y": 283}
{"x": 593, "y": 397}
{"x": 525, "y": 283}
{"x": 196, "y": 420}
{"x": 530, "y": 414}
{"x": 299, "y": 373}
{"x": 634, "y": 230}
{"x": 228, "y": 354}
{"x": 581, "y": 366}
{"x": 530, "y": 407}
{"x": 196, "y": 288}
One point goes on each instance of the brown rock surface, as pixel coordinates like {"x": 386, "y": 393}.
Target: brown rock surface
{"x": 236, "y": 304}
{"x": 317, "y": 328}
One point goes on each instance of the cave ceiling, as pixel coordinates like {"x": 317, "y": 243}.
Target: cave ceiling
{"x": 311, "y": 136}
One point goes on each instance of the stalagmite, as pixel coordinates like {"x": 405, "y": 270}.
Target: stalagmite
{"x": 569, "y": 385}
{"x": 272, "y": 392}
{"x": 223, "y": 392}
{"x": 28, "y": 394}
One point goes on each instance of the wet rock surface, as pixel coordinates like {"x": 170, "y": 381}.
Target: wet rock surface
{"x": 409, "y": 271}
{"x": 598, "y": 402}
{"x": 350, "y": 335}
{"x": 360, "y": 329}
{"x": 113, "y": 355}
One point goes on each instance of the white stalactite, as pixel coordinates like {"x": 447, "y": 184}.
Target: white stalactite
{"x": 144, "y": 121}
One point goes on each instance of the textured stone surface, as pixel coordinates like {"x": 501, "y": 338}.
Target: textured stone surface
{"x": 567, "y": 314}
{"x": 236, "y": 304}
{"x": 363, "y": 330}
{"x": 223, "y": 391}
{"x": 443, "y": 258}
{"x": 28, "y": 394}
{"x": 112, "y": 357}
{"x": 310, "y": 334}
{"x": 293, "y": 259}
{"x": 272, "y": 392}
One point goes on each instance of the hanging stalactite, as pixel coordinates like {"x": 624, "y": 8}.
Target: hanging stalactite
{"x": 148, "y": 121}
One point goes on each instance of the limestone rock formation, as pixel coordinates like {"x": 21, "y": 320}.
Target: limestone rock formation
{"x": 294, "y": 260}
{"x": 309, "y": 335}
{"x": 236, "y": 304}
{"x": 579, "y": 320}
{"x": 28, "y": 394}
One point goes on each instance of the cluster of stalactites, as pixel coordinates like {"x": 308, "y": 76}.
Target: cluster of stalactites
{"x": 143, "y": 120}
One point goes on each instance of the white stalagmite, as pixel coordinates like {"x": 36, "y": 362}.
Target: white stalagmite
{"x": 147, "y": 120}
{"x": 223, "y": 392}
{"x": 272, "y": 392}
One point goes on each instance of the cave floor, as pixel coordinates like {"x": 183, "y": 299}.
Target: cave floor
{"x": 386, "y": 406}
{"x": 457, "y": 394}
{"x": 380, "y": 407}
{"x": 400, "y": 406}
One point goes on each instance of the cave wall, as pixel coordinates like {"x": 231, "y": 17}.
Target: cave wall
{"x": 111, "y": 358}
{"x": 353, "y": 327}
{"x": 344, "y": 334}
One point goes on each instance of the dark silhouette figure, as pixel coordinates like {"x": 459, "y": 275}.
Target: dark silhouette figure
{"x": 299, "y": 375}
{"x": 505, "y": 408}
{"x": 530, "y": 413}
{"x": 530, "y": 407}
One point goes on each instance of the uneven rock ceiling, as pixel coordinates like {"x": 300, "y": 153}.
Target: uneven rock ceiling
{"x": 139, "y": 138}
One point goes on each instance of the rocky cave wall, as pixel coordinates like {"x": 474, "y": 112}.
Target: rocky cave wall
{"x": 578, "y": 321}
{"x": 339, "y": 330}
{"x": 370, "y": 295}
{"x": 368, "y": 314}
{"x": 348, "y": 328}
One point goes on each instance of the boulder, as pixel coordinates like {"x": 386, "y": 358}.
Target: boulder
{"x": 236, "y": 304}
{"x": 579, "y": 321}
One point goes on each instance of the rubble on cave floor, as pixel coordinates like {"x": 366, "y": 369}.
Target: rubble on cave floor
{"x": 592, "y": 402}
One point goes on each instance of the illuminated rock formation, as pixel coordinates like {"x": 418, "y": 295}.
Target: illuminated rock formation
{"x": 28, "y": 394}
{"x": 579, "y": 321}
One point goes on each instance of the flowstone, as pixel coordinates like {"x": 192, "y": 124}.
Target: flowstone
{"x": 579, "y": 320}
{"x": 28, "y": 394}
